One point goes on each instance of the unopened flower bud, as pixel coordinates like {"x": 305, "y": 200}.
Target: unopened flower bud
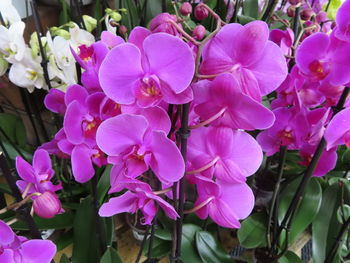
{"x": 198, "y": 32}
{"x": 116, "y": 16}
{"x": 306, "y": 14}
{"x": 122, "y": 30}
{"x": 334, "y": 24}
{"x": 47, "y": 205}
{"x": 291, "y": 11}
{"x": 89, "y": 22}
{"x": 321, "y": 17}
{"x": 186, "y": 9}
{"x": 200, "y": 12}
{"x": 3, "y": 65}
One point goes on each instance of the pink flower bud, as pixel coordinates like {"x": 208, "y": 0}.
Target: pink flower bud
{"x": 198, "y": 32}
{"x": 321, "y": 17}
{"x": 47, "y": 205}
{"x": 306, "y": 14}
{"x": 200, "y": 12}
{"x": 122, "y": 30}
{"x": 161, "y": 23}
{"x": 186, "y": 9}
{"x": 291, "y": 11}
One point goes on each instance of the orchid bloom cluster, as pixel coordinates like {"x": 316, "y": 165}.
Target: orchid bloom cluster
{"x": 18, "y": 249}
{"x": 24, "y": 61}
{"x": 304, "y": 100}
{"x": 118, "y": 116}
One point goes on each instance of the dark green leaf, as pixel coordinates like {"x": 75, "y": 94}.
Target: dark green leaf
{"x": 109, "y": 227}
{"x": 244, "y": 19}
{"x": 163, "y": 234}
{"x": 308, "y": 208}
{"x": 209, "y": 249}
{"x": 251, "y": 8}
{"x": 64, "y": 240}
{"x": 60, "y": 221}
{"x": 111, "y": 256}
{"x": 290, "y": 257}
{"x": 64, "y": 259}
{"x": 13, "y": 127}
{"x": 4, "y": 188}
{"x": 160, "y": 248}
{"x": 85, "y": 242}
{"x": 252, "y": 233}
{"x": 103, "y": 184}
{"x": 188, "y": 246}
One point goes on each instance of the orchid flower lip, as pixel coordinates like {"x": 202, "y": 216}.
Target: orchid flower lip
{"x": 205, "y": 167}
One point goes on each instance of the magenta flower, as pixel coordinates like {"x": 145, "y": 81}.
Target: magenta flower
{"x": 338, "y": 130}
{"x": 163, "y": 70}
{"x": 225, "y": 203}
{"x": 342, "y": 30}
{"x": 160, "y": 23}
{"x": 54, "y": 101}
{"x": 110, "y": 39}
{"x": 223, "y": 153}
{"x": 323, "y": 57}
{"x": 17, "y": 249}
{"x": 47, "y": 205}
{"x": 326, "y": 163}
{"x": 286, "y": 131}
{"x": 284, "y": 39}
{"x": 138, "y": 144}
{"x": 36, "y": 178}
{"x": 245, "y": 51}
{"x": 141, "y": 198}
{"x": 224, "y": 98}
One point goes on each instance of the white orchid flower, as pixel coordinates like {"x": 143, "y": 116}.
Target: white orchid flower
{"x": 9, "y": 12}
{"x": 108, "y": 25}
{"x": 28, "y": 72}
{"x": 12, "y": 44}
{"x": 61, "y": 61}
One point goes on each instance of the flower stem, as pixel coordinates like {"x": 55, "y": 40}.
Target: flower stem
{"x": 333, "y": 251}
{"x": 282, "y": 160}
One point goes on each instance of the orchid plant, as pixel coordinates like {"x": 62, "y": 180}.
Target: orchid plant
{"x": 184, "y": 125}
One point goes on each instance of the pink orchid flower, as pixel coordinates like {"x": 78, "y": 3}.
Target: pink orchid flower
{"x": 245, "y": 51}
{"x": 161, "y": 70}
{"x": 139, "y": 143}
{"x": 338, "y": 130}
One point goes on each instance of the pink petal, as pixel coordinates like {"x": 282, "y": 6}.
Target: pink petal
{"x": 34, "y": 251}
{"x": 111, "y": 40}
{"x": 7, "y": 236}
{"x": 176, "y": 70}
{"x": 42, "y": 162}
{"x": 118, "y": 134}
{"x": 120, "y": 71}
{"x": 271, "y": 69}
{"x": 138, "y": 35}
{"x": 337, "y": 128}
{"x": 25, "y": 170}
{"x": 54, "y": 101}
{"x": 82, "y": 167}
{"x": 121, "y": 204}
{"x": 167, "y": 162}
{"x": 72, "y": 122}
{"x": 75, "y": 92}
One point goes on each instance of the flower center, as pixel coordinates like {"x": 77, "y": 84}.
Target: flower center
{"x": 31, "y": 74}
{"x": 85, "y": 53}
{"x": 90, "y": 126}
{"x": 286, "y": 136}
{"x": 318, "y": 69}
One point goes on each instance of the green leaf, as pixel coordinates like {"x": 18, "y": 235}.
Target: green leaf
{"x": 252, "y": 233}
{"x": 333, "y": 8}
{"x": 109, "y": 227}
{"x": 64, "y": 259}
{"x": 209, "y": 249}
{"x": 290, "y": 257}
{"x": 111, "y": 256}
{"x": 85, "y": 242}
{"x": 251, "y": 8}
{"x": 245, "y": 19}
{"x": 188, "y": 246}
{"x": 14, "y": 128}
{"x": 64, "y": 14}
{"x": 4, "y": 188}
{"x": 343, "y": 213}
{"x": 325, "y": 226}
{"x": 64, "y": 240}
{"x": 60, "y": 221}
{"x": 103, "y": 184}
{"x": 163, "y": 234}
{"x": 160, "y": 248}
{"x": 307, "y": 210}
